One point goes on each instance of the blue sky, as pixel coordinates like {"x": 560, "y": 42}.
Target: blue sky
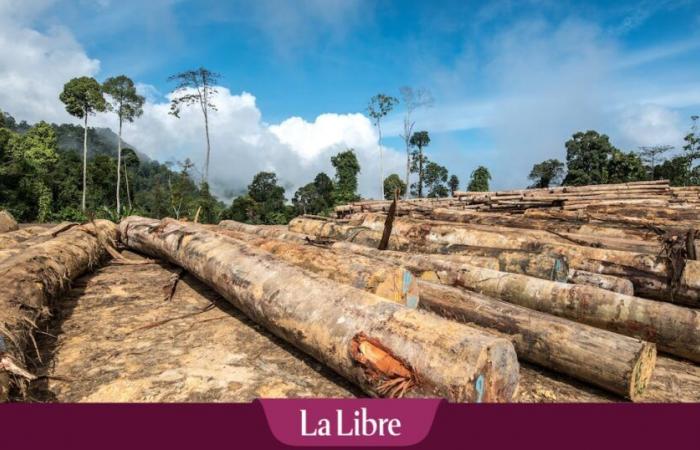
{"x": 511, "y": 80}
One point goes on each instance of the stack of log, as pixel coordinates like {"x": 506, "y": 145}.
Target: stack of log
{"x": 657, "y": 194}
{"x": 440, "y": 300}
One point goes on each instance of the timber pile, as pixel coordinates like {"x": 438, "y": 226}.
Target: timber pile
{"x": 657, "y": 193}
{"x": 7, "y": 222}
{"x": 469, "y": 304}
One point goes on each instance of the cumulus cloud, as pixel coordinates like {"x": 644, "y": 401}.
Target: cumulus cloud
{"x": 243, "y": 144}
{"x": 35, "y": 65}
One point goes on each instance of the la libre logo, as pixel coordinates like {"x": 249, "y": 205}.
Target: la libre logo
{"x": 358, "y": 424}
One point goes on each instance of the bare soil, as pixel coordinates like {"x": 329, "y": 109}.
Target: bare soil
{"x": 118, "y": 337}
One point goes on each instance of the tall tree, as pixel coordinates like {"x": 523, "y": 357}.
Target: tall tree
{"x": 129, "y": 159}
{"x": 435, "y": 179}
{"x": 127, "y": 104}
{"x": 651, "y": 156}
{"x": 479, "y": 181}
{"x": 379, "y": 106}
{"x": 196, "y": 87}
{"x": 392, "y": 183}
{"x": 546, "y": 173}
{"x": 692, "y": 140}
{"x": 453, "y": 184}
{"x": 346, "y": 170}
{"x": 419, "y": 140}
{"x": 83, "y": 97}
{"x": 412, "y": 100}
{"x": 587, "y": 156}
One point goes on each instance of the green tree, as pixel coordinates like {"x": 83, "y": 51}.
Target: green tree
{"x": 453, "y": 184}
{"x": 587, "y": 156}
{"x": 392, "y": 183}
{"x": 379, "y": 107}
{"x": 245, "y": 209}
{"x": 196, "y": 87}
{"x": 346, "y": 170}
{"x": 435, "y": 179}
{"x": 315, "y": 197}
{"x": 625, "y": 167}
{"x": 33, "y": 157}
{"x": 651, "y": 156}
{"x": 83, "y": 97}
{"x": 547, "y": 173}
{"x": 130, "y": 160}
{"x": 479, "y": 181}
{"x": 270, "y": 196}
{"x": 692, "y": 140}
{"x": 419, "y": 140}
{"x": 127, "y": 105}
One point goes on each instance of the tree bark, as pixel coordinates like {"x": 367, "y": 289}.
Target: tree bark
{"x": 384, "y": 348}
{"x": 29, "y": 280}
{"x": 614, "y": 362}
{"x": 389, "y": 281}
{"x": 674, "y": 329}
{"x": 119, "y": 165}
{"x": 608, "y": 282}
{"x": 85, "y": 130}
{"x": 42, "y": 236}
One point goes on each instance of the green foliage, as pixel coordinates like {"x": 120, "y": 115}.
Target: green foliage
{"x": 315, "y": 197}
{"x": 264, "y": 203}
{"x": 380, "y": 105}
{"x": 587, "y": 156}
{"x": 346, "y": 170}
{"x": 625, "y": 167}
{"x": 435, "y": 179}
{"x": 123, "y": 98}
{"x": 83, "y": 96}
{"x": 391, "y": 184}
{"x": 419, "y": 140}
{"x": 479, "y": 181}
{"x": 453, "y": 184}
{"x": 547, "y": 173}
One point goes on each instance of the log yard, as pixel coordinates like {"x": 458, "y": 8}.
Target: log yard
{"x": 563, "y": 294}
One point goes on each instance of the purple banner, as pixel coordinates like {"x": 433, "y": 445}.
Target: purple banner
{"x": 357, "y": 423}
{"x": 222, "y": 426}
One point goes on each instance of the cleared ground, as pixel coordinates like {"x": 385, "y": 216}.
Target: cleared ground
{"x": 118, "y": 336}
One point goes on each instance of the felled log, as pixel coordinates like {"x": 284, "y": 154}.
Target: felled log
{"x": 7, "y": 222}
{"x": 548, "y": 266}
{"x": 608, "y": 282}
{"x": 649, "y": 273}
{"x": 384, "y": 348}
{"x": 29, "y": 280}
{"x": 12, "y": 238}
{"x": 38, "y": 238}
{"x": 271, "y": 231}
{"x": 609, "y": 360}
{"x": 388, "y": 281}
{"x": 673, "y": 328}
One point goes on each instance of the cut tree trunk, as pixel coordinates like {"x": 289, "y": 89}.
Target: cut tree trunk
{"x": 674, "y": 329}
{"x": 30, "y": 280}
{"x": 608, "y": 282}
{"x": 388, "y": 281}
{"x": 614, "y": 362}
{"x": 7, "y": 222}
{"x": 12, "y": 238}
{"x": 384, "y": 348}
{"x": 43, "y": 236}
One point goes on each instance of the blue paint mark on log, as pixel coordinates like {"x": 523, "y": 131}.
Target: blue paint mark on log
{"x": 479, "y": 386}
{"x": 412, "y": 298}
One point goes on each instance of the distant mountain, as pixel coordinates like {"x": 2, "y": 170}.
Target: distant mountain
{"x": 101, "y": 141}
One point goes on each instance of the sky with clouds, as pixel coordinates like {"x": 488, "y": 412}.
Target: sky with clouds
{"x": 511, "y": 80}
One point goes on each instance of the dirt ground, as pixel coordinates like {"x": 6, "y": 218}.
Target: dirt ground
{"x": 118, "y": 337}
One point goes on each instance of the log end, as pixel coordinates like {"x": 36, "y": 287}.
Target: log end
{"x": 642, "y": 371}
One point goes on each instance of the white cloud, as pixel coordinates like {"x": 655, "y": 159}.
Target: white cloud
{"x": 649, "y": 124}
{"x": 34, "y": 65}
{"x": 242, "y": 144}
